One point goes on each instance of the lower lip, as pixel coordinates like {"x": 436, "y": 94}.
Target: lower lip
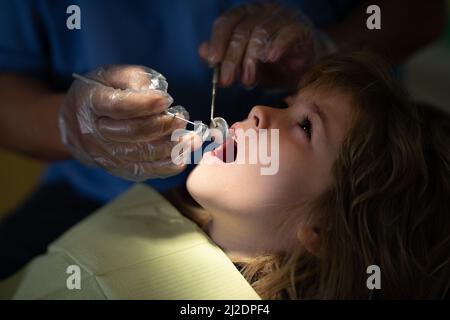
{"x": 215, "y": 152}
{"x": 211, "y": 158}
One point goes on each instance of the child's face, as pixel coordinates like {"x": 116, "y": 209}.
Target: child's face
{"x": 307, "y": 150}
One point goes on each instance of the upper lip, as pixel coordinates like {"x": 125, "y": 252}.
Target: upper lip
{"x": 235, "y": 126}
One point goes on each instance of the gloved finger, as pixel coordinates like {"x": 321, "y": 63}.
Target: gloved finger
{"x": 203, "y": 50}
{"x": 286, "y": 38}
{"x": 141, "y": 171}
{"x": 136, "y": 78}
{"x": 192, "y": 141}
{"x": 257, "y": 45}
{"x": 138, "y": 129}
{"x": 125, "y": 104}
{"x": 265, "y": 31}
{"x": 153, "y": 150}
{"x": 135, "y": 171}
{"x": 239, "y": 39}
{"x": 222, "y": 31}
{"x": 143, "y": 151}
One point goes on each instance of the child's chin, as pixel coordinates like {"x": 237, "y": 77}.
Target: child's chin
{"x": 194, "y": 184}
{"x": 189, "y": 182}
{"x": 200, "y": 186}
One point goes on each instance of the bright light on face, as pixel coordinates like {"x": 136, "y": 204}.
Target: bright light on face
{"x": 250, "y": 146}
{"x": 300, "y": 143}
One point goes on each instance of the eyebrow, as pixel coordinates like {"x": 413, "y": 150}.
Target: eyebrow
{"x": 323, "y": 116}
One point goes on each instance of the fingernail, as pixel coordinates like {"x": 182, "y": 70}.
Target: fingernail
{"x": 249, "y": 73}
{"x": 212, "y": 56}
{"x": 273, "y": 55}
{"x": 226, "y": 74}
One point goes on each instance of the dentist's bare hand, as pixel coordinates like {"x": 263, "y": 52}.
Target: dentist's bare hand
{"x": 120, "y": 125}
{"x": 264, "y": 44}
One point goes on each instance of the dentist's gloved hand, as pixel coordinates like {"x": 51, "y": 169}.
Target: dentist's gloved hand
{"x": 120, "y": 125}
{"x": 264, "y": 44}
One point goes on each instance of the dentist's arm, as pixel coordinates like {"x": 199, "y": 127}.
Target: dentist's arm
{"x": 29, "y": 118}
{"x": 117, "y": 124}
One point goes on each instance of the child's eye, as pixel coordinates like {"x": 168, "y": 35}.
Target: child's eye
{"x": 306, "y": 125}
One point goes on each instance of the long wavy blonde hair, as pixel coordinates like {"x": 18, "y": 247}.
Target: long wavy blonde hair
{"x": 389, "y": 204}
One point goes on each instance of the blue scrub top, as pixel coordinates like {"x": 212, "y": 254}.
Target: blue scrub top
{"x": 163, "y": 35}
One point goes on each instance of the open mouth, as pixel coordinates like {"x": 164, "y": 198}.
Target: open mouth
{"x": 227, "y": 151}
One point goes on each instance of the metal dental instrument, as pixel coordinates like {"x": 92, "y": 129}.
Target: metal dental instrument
{"x": 94, "y": 81}
{"x": 213, "y": 93}
{"x": 217, "y": 122}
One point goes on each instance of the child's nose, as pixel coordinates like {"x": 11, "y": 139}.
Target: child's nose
{"x": 260, "y": 117}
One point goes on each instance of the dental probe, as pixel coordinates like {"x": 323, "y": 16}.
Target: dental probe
{"x": 217, "y": 122}
{"x": 213, "y": 93}
{"x": 93, "y": 81}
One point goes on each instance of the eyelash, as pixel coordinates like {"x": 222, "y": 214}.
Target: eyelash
{"x": 306, "y": 122}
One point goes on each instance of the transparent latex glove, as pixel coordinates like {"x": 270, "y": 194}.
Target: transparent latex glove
{"x": 120, "y": 124}
{"x": 264, "y": 44}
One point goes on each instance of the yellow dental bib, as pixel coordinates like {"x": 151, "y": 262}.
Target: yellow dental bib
{"x": 137, "y": 247}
